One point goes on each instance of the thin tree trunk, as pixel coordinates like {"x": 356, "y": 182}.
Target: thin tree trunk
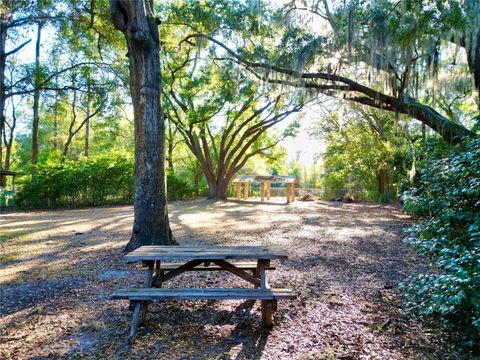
{"x": 87, "y": 123}
{"x": 36, "y": 102}
{"x": 136, "y": 21}
{"x": 9, "y": 141}
{"x": 55, "y": 116}
{"x": 3, "y": 37}
{"x": 170, "y": 147}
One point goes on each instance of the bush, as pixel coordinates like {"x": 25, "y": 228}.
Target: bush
{"x": 99, "y": 180}
{"x": 179, "y": 189}
{"x": 104, "y": 179}
{"x": 448, "y": 202}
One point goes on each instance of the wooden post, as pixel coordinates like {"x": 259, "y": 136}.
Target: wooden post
{"x": 267, "y": 312}
{"x": 262, "y": 191}
{"x": 239, "y": 190}
{"x": 135, "y": 318}
{"x": 293, "y": 192}
{"x": 268, "y": 191}
{"x": 288, "y": 193}
{"x": 245, "y": 191}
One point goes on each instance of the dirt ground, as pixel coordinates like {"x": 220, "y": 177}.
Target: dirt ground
{"x": 57, "y": 269}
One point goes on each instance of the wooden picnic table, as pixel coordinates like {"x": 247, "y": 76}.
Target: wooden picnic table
{"x": 164, "y": 263}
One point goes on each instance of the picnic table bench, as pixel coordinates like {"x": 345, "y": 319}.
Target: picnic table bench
{"x": 202, "y": 258}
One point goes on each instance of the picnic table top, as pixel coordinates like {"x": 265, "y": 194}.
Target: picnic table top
{"x": 204, "y": 252}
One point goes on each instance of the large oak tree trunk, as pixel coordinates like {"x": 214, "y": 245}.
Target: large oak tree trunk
{"x": 217, "y": 189}
{"x": 136, "y": 21}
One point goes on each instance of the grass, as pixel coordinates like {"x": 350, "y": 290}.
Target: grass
{"x": 6, "y": 235}
{"x": 7, "y": 258}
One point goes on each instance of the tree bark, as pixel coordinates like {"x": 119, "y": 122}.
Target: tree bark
{"x": 171, "y": 139}
{"x": 3, "y": 37}
{"x": 36, "y": 102}
{"x": 136, "y": 21}
{"x": 87, "y": 123}
{"x": 383, "y": 184}
{"x": 217, "y": 187}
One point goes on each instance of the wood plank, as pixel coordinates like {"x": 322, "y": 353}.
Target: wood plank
{"x": 269, "y": 187}
{"x": 185, "y": 267}
{"x": 262, "y": 191}
{"x": 139, "y": 294}
{"x": 148, "y": 282}
{"x": 261, "y": 273}
{"x": 267, "y": 313}
{"x": 239, "y": 190}
{"x": 239, "y": 272}
{"x": 169, "y": 253}
{"x": 250, "y": 265}
{"x": 134, "y": 325}
{"x": 245, "y": 191}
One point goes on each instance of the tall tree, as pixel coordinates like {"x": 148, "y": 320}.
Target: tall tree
{"x": 8, "y": 23}
{"x": 36, "y": 99}
{"x": 224, "y": 119}
{"x": 136, "y": 20}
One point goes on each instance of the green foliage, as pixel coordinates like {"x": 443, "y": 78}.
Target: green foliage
{"x": 447, "y": 200}
{"x": 360, "y": 162}
{"x": 180, "y": 189}
{"x": 89, "y": 181}
{"x": 102, "y": 179}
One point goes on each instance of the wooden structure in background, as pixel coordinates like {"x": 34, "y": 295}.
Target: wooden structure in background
{"x": 265, "y": 185}
{"x": 7, "y": 193}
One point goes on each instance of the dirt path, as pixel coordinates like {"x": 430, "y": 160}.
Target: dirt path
{"x": 345, "y": 260}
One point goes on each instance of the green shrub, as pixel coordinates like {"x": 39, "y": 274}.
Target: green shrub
{"x": 104, "y": 179}
{"x": 179, "y": 189}
{"x": 99, "y": 180}
{"x": 448, "y": 202}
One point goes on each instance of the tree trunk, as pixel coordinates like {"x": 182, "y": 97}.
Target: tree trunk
{"x": 3, "y": 37}
{"x": 473, "y": 58}
{"x": 87, "y": 123}
{"x": 170, "y": 147}
{"x": 383, "y": 188}
{"x": 136, "y": 21}
{"x": 36, "y": 102}
{"x": 217, "y": 188}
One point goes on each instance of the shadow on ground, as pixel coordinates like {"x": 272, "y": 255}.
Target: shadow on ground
{"x": 345, "y": 261}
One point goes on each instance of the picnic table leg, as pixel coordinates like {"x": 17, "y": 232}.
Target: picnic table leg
{"x": 262, "y": 192}
{"x": 158, "y": 273}
{"x": 268, "y": 191}
{"x": 288, "y": 193}
{"x": 267, "y": 312}
{"x": 148, "y": 284}
{"x": 133, "y": 327}
{"x": 266, "y": 305}
{"x": 245, "y": 191}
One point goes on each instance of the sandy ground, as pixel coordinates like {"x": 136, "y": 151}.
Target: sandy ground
{"x": 57, "y": 269}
